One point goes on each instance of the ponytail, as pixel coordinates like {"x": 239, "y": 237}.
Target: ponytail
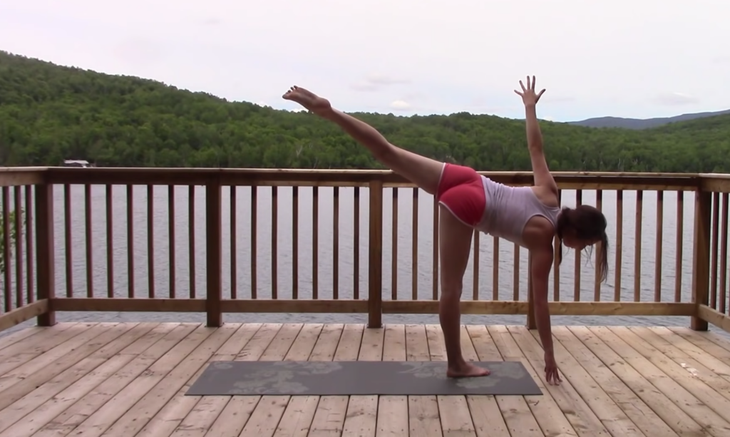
{"x": 564, "y": 220}
{"x": 603, "y": 258}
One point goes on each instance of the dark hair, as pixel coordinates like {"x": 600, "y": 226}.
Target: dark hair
{"x": 587, "y": 223}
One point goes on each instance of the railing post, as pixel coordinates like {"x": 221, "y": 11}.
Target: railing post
{"x": 214, "y": 255}
{"x": 44, "y": 250}
{"x": 701, "y": 256}
{"x": 375, "y": 255}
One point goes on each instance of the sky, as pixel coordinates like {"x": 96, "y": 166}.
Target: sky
{"x": 638, "y": 58}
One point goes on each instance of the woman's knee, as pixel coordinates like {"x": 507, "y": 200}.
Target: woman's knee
{"x": 451, "y": 289}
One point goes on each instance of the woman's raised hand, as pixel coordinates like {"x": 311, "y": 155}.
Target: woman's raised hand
{"x": 529, "y": 97}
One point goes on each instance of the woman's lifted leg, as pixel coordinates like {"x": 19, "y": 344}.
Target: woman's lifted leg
{"x": 420, "y": 170}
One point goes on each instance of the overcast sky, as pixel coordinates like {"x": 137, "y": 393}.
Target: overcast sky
{"x": 638, "y": 58}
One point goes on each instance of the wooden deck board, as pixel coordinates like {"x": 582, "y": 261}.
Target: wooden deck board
{"x": 119, "y": 379}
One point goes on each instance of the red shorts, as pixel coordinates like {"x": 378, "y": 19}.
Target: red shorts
{"x": 461, "y": 191}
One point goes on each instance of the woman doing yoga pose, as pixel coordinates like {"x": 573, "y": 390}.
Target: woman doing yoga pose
{"x": 528, "y": 216}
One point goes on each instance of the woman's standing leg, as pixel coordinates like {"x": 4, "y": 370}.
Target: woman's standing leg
{"x": 454, "y": 244}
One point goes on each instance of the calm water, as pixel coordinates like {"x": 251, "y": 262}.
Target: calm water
{"x": 347, "y": 274}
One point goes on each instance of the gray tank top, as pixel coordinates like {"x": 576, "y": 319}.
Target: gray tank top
{"x": 509, "y": 208}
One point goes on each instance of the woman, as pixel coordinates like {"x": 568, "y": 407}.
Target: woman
{"x": 528, "y": 216}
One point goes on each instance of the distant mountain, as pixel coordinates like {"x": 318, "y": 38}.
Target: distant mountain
{"x": 637, "y": 123}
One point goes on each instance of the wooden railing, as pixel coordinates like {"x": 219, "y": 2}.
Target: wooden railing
{"x": 710, "y": 284}
{"x": 26, "y": 241}
{"x": 338, "y": 241}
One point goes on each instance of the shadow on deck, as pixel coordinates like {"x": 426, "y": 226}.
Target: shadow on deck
{"x": 129, "y": 379}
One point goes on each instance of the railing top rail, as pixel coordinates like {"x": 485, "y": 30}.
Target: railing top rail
{"x": 15, "y": 176}
{"x": 353, "y": 177}
{"x": 22, "y": 169}
{"x": 714, "y": 175}
{"x": 336, "y": 171}
{"x": 350, "y": 177}
{"x": 715, "y": 182}
{"x": 12, "y": 176}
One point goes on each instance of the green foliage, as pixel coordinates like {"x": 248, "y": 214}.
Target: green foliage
{"x": 50, "y": 113}
{"x": 15, "y": 233}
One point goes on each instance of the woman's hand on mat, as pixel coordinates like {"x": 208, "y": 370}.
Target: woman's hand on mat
{"x": 529, "y": 97}
{"x": 552, "y": 376}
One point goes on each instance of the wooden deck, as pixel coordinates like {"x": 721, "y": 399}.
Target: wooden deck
{"x": 108, "y": 379}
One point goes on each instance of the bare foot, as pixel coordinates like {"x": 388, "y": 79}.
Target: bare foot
{"x": 308, "y": 99}
{"x": 466, "y": 370}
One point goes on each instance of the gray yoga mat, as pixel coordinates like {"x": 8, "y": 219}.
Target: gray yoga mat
{"x": 346, "y": 378}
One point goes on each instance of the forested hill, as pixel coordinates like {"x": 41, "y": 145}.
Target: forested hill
{"x": 50, "y": 113}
